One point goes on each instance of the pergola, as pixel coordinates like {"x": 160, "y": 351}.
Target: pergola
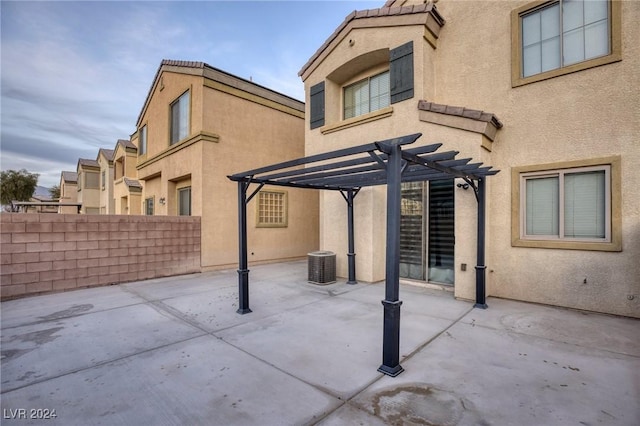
{"x": 347, "y": 171}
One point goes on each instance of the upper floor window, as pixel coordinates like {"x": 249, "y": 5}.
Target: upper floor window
{"x": 180, "y": 118}
{"x": 92, "y": 180}
{"x": 563, "y": 36}
{"x": 142, "y": 149}
{"x": 103, "y": 179}
{"x": 367, "y": 95}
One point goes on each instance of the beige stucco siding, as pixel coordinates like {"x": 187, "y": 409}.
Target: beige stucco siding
{"x": 589, "y": 114}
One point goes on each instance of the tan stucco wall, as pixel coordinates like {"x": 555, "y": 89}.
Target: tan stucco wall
{"x": 89, "y": 197}
{"x": 107, "y": 202}
{"x": 589, "y": 114}
{"x": 68, "y": 194}
{"x": 231, "y": 131}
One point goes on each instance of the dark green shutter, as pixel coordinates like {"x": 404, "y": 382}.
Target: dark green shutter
{"x": 317, "y": 106}
{"x": 401, "y": 72}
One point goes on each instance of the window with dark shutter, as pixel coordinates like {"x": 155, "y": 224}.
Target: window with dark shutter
{"x": 401, "y": 70}
{"x": 317, "y": 106}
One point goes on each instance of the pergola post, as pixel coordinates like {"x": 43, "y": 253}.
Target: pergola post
{"x": 391, "y": 328}
{"x": 243, "y": 271}
{"x": 481, "y": 267}
{"x": 351, "y": 255}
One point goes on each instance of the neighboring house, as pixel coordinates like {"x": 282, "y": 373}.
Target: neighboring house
{"x": 546, "y": 92}
{"x": 89, "y": 186}
{"x": 127, "y": 190}
{"x": 105, "y": 160}
{"x": 68, "y": 192}
{"x": 200, "y": 124}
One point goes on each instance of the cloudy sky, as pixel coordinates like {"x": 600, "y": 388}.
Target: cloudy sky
{"x": 74, "y": 74}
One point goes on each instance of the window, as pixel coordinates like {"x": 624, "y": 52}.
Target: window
{"x": 148, "y": 206}
{"x": 180, "y": 118}
{"x": 184, "y": 201}
{"x": 103, "y": 178}
{"x": 564, "y": 36}
{"x": 568, "y": 206}
{"x": 272, "y": 209}
{"x": 367, "y": 95}
{"x": 143, "y": 140}
{"x": 92, "y": 180}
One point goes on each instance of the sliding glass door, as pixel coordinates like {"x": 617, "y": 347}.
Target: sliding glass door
{"x": 427, "y": 231}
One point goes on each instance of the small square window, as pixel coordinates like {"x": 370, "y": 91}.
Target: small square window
{"x": 272, "y": 209}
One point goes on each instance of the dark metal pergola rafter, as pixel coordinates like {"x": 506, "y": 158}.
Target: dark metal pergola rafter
{"x": 347, "y": 171}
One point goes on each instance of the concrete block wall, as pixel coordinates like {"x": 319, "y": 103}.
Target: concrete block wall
{"x": 55, "y": 252}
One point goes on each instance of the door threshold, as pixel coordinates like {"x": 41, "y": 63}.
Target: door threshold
{"x": 424, "y": 284}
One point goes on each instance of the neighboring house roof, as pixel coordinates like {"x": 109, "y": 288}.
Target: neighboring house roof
{"x": 126, "y": 145}
{"x": 205, "y": 70}
{"x": 461, "y": 112}
{"x": 382, "y": 12}
{"x": 132, "y": 183}
{"x": 106, "y": 153}
{"x": 85, "y": 162}
{"x": 70, "y": 177}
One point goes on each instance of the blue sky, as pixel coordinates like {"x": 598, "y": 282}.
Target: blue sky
{"x": 74, "y": 74}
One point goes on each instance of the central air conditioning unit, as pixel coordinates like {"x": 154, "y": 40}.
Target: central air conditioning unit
{"x": 322, "y": 267}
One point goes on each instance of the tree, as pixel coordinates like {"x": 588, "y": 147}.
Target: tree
{"x": 17, "y": 186}
{"x": 54, "y": 192}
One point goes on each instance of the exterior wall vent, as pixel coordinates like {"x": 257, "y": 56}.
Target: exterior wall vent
{"x": 322, "y": 267}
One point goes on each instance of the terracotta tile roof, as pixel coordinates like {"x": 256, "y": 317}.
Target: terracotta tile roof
{"x": 71, "y": 177}
{"x": 88, "y": 163}
{"x": 132, "y": 183}
{"x": 384, "y": 11}
{"x": 108, "y": 153}
{"x": 474, "y": 114}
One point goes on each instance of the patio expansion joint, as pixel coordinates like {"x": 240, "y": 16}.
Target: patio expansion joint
{"x": 98, "y": 364}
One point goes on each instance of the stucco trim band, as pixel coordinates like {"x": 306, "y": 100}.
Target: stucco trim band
{"x": 200, "y": 137}
{"x": 356, "y": 121}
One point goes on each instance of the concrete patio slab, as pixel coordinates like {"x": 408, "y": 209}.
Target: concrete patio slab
{"x": 173, "y": 351}
{"x": 198, "y": 381}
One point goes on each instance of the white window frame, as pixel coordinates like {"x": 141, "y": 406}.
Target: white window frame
{"x": 368, "y": 85}
{"x": 561, "y": 173}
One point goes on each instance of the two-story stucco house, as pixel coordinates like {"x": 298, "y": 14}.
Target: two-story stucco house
{"x": 200, "y": 124}
{"x": 545, "y": 91}
{"x": 88, "y": 186}
{"x": 105, "y": 160}
{"x": 127, "y": 190}
{"x": 68, "y": 192}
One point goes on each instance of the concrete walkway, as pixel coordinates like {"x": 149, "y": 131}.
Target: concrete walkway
{"x": 173, "y": 351}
